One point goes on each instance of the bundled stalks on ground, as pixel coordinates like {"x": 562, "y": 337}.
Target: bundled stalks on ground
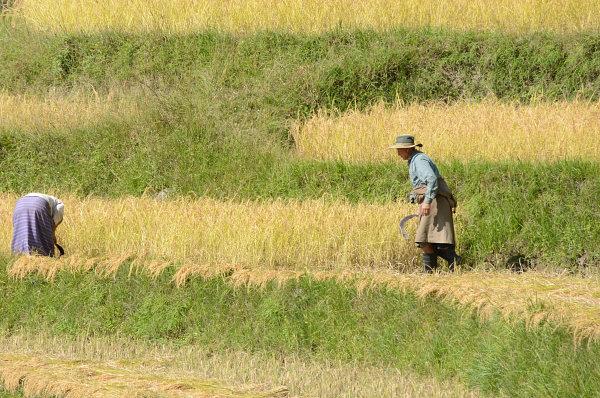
{"x": 490, "y": 130}
{"x": 291, "y": 234}
{"x": 310, "y": 16}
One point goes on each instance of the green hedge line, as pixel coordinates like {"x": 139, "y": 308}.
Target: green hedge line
{"x": 311, "y": 318}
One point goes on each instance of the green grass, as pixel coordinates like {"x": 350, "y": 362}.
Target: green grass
{"x": 313, "y": 319}
{"x": 6, "y": 394}
{"x": 287, "y": 74}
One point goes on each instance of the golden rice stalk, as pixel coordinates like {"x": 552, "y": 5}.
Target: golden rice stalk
{"x": 273, "y": 234}
{"x": 490, "y": 130}
{"x": 308, "y": 15}
{"x": 63, "y": 377}
{"x": 65, "y": 112}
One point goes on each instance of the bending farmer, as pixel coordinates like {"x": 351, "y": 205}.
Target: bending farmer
{"x": 35, "y": 219}
{"x": 435, "y": 233}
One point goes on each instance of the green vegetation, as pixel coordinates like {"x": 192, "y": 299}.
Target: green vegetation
{"x": 286, "y": 74}
{"x": 6, "y": 394}
{"x": 311, "y": 318}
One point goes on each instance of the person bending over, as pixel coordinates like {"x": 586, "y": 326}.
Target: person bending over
{"x": 35, "y": 219}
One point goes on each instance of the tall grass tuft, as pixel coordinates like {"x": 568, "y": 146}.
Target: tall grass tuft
{"x": 487, "y": 130}
{"x": 310, "y": 16}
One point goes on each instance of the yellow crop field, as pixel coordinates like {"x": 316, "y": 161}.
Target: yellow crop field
{"x": 290, "y": 234}
{"x": 490, "y": 130}
{"x": 309, "y": 15}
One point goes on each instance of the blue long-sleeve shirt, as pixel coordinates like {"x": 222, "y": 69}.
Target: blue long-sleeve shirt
{"x": 422, "y": 171}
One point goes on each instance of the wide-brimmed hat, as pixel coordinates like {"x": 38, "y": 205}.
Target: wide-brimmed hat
{"x": 405, "y": 141}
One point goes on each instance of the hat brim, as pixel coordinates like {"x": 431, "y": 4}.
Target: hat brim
{"x": 404, "y": 146}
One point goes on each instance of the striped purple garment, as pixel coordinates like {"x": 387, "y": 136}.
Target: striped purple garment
{"x": 32, "y": 227}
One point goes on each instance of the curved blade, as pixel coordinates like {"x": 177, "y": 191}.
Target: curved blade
{"x": 60, "y": 249}
{"x": 403, "y": 221}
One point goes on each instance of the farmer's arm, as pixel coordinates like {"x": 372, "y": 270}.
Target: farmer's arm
{"x": 427, "y": 174}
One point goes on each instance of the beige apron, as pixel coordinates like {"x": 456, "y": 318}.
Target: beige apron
{"x": 438, "y": 226}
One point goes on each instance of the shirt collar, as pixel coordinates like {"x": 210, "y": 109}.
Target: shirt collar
{"x": 413, "y": 154}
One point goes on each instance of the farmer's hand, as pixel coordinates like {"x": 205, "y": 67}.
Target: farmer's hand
{"x": 425, "y": 208}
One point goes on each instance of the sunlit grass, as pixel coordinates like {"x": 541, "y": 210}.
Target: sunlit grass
{"x": 572, "y": 301}
{"x": 310, "y": 16}
{"x": 66, "y": 377}
{"x": 489, "y": 130}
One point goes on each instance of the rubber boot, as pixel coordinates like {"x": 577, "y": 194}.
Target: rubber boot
{"x": 448, "y": 253}
{"x": 429, "y": 262}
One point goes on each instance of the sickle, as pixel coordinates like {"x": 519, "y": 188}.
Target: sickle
{"x": 403, "y": 221}
{"x": 60, "y": 249}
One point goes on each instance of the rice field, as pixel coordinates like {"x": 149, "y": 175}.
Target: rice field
{"x": 308, "y": 15}
{"x": 59, "y": 377}
{"x": 487, "y": 130}
{"x": 272, "y": 234}
{"x": 467, "y": 131}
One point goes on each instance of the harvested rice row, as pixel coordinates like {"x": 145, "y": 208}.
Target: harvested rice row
{"x": 535, "y": 297}
{"x": 488, "y": 130}
{"x": 48, "y": 376}
{"x": 273, "y": 234}
{"x": 309, "y": 15}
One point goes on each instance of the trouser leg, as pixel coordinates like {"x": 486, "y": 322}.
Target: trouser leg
{"x": 429, "y": 262}
{"x": 448, "y": 253}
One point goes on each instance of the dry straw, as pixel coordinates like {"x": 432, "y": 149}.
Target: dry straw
{"x": 490, "y": 130}
{"x": 272, "y": 234}
{"x": 309, "y": 15}
{"x": 305, "y": 378}
{"x": 64, "y": 377}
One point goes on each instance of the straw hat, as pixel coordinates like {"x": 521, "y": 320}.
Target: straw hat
{"x": 405, "y": 141}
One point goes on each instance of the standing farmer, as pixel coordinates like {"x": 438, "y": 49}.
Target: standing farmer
{"x": 435, "y": 233}
{"x": 35, "y": 219}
